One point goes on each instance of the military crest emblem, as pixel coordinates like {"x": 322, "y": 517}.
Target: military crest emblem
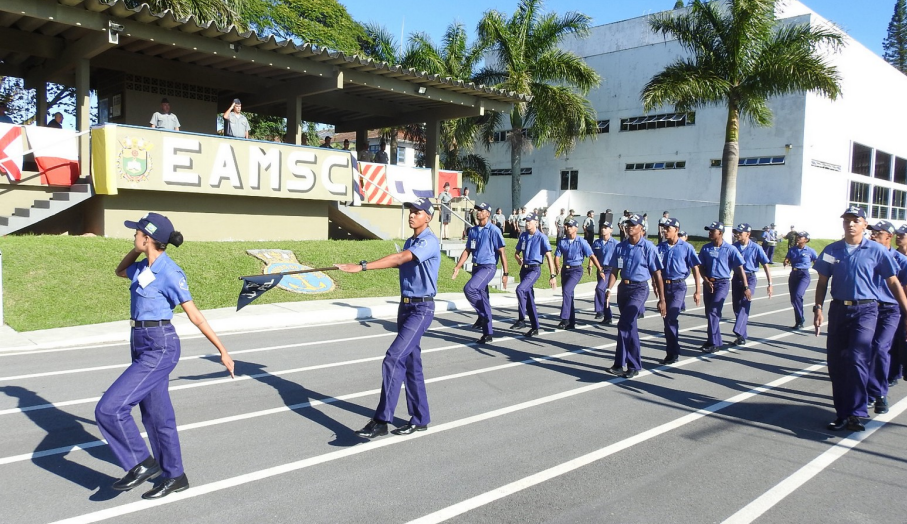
{"x": 134, "y": 161}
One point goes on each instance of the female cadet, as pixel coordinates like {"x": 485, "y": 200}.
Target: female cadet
{"x": 602, "y": 249}
{"x": 158, "y": 285}
{"x": 801, "y": 258}
{"x": 574, "y": 249}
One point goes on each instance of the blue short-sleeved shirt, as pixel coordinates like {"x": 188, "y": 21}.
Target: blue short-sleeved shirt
{"x": 753, "y": 256}
{"x": 419, "y": 276}
{"x": 853, "y": 275}
{"x": 719, "y": 261}
{"x": 156, "y": 300}
{"x": 533, "y": 247}
{"x": 484, "y": 243}
{"x": 885, "y": 294}
{"x": 635, "y": 262}
{"x": 573, "y": 251}
{"x": 603, "y": 250}
{"x": 801, "y": 258}
{"x": 678, "y": 260}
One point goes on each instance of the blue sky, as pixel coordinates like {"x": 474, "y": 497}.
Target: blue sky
{"x": 866, "y": 21}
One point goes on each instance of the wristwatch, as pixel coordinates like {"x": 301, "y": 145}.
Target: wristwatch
{"x": 817, "y": 307}
{"x": 506, "y": 274}
{"x": 364, "y": 264}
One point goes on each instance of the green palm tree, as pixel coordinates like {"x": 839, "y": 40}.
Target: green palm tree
{"x": 222, "y": 12}
{"x": 740, "y": 57}
{"x": 526, "y": 60}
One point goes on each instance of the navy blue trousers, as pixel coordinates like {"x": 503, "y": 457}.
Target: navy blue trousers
{"x": 898, "y": 353}
{"x": 569, "y": 279}
{"x": 741, "y": 304}
{"x": 714, "y": 303}
{"x": 849, "y": 346}
{"x": 155, "y": 352}
{"x": 675, "y": 293}
{"x": 797, "y": 285}
{"x": 880, "y": 359}
{"x": 769, "y": 251}
{"x": 476, "y": 291}
{"x": 403, "y": 361}
{"x": 525, "y": 294}
{"x": 631, "y": 300}
{"x": 601, "y": 304}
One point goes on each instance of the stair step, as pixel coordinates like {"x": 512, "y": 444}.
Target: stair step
{"x": 80, "y": 188}
{"x": 62, "y": 195}
{"x": 41, "y": 204}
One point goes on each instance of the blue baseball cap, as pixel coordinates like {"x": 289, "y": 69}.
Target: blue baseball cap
{"x": 605, "y": 224}
{"x": 634, "y": 219}
{"x": 570, "y": 223}
{"x": 715, "y": 225}
{"x": 743, "y": 227}
{"x": 884, "y": 225}
{"x": 422, "y": 204}
{"x": 482, "y": 206}
{"x": 902, "y": 230}
{"x": 682, "y": 233}
{"x": 671, "y": 222}
{"x": 154, "y": 225}
{"x": 855, "y": 211}
{"x": 532, "y": 216}
{"x": 803, "y": 234}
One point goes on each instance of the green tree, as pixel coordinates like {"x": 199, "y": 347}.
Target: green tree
{"x": 222, "y": 12}
{"x": 381, "y": 45}
{"x": 678, "y": 4}
{"x": 525, "y": 59}
{"x": 325, "y": 23}
{"x": 739, "y": 58}
{"x": 895, "y": 44}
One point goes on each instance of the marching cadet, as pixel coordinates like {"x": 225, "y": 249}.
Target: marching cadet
{"x": 801, "y": 258}
{"x": 753, "y": 256}
{"x": 719, "y": 259}
{"x": 852, "y": 265}
{"x": 419, "y": 263}
{"x": 531, "y": 248}
{"x": 887, "y": 323}
{"x": 899, "y": 347}
{"x": 678, "y": 258}
{"x": 574, "y": 249}
{"x": 602, "y": 249}
{"x": 486, "y": 245}
{"x": 157, "y": 286}
{"x": 636, "y": 260}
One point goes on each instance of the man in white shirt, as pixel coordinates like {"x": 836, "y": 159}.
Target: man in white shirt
{"x": 164, "y": 119}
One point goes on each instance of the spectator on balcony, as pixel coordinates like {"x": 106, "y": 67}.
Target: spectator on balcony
{"x": 56, "y": 122}
{"x": 327, "y": 142}
{"x": 381, "y": 155}
{"x": 235, "y": 123}
{"x": 346, "y": 144}
{"x": 164, "y": 119}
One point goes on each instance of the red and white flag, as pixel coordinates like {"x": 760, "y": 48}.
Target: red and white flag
{"x": 11, "y": 151}
{"x": 56, "y": 153}
{"x": 374, "y": 183}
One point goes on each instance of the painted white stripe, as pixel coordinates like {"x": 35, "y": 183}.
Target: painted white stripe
{"x": 770, "y": 498}
{"x": 197, "y": 491}
{"x": 331, "y": 400}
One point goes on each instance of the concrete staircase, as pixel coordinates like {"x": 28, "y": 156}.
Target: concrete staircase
{"x": 61, "y": 200}
{"x": 455, "y": 248}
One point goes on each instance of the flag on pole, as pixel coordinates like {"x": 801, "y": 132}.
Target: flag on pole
{"x": 56, "y": 153}
{"x": 11, "y": 151}
{"x": 254, "y": 287}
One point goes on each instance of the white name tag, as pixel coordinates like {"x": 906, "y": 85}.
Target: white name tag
{"x": 828, "y": 258}
{"x": 620, "y": 262}
{"x": 713, "y": 254}
{"x": 472, "y": 245}
{"x": 145, "y": 277}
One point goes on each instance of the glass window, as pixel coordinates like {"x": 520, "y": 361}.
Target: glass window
{"x": 859, "y": 193}
{"x": 883, "y": 166}
{"x": 898, "y": 205}
{"x": 569, "y": 179}
{"x": 860, "y": 159}
{"x": 880, "y": 196}
{"x": 900, "y": 170}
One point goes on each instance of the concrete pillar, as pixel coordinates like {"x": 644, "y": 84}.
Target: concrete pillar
{"x": 41, "y": 99}
{"x": 83, "y": 113}
{"x": 294, "y": 120}
{"x": 361, "y": 140}
{"x": 432, "y": 146}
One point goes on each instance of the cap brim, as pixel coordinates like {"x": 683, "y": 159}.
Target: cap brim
{"x": 131, "y": 225}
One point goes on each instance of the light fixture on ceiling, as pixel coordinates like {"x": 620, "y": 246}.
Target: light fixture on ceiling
{"x": 421, "y": 90}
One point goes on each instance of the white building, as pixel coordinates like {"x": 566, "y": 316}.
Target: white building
{"x": 817, "y": 158}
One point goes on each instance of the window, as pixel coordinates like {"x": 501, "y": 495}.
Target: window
{"x": 569, "y": 179}
{"x": 640, "y": 123}
{"x": 754, "y": 161}
{"x": 499, "y": 136}
{"x": 883, "y": 166}
{"x": 681, "y": 164}
{"x": 524, "y": 171}
{"x": 603, "y": 126}
{"x": 898, "y": 205}
{"x": 900, "y": 170}
{"x": 880, "y": 197}
{"x": 859, "y": 195}
{"x": 401, "y": 155}
{"x": 860, "y": 159}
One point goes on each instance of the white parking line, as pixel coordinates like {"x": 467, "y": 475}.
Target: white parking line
{"x": 246, "y": 478}
{"x": 770, "y": 498}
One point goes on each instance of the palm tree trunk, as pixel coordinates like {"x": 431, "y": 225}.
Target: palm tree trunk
{"x": 729, "y": 158}
{"x": 516, "y": 157}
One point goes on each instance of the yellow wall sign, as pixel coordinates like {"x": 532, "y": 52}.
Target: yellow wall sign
{"x": 125, "y": 157}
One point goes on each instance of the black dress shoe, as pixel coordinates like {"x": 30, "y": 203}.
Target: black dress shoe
{"x": 607, "y": 322}
{"x": 562, "y": 324}
{"x": 893, "y": 382}
{"x": 408, "y": 428}
{"x": 519, "y": 324}
{"x": 616, "y": 370}
{"x": 798, "y": 325}
{"x": 837, "y": 425}
{"x": 630, "y": 373}
{"x": 484, "y": 339}
{"x": 881, "y": 405}
{"x": 709, "y": 349}
{"x": 599, "y": 315}
{"x": 740, "y": 341}
{"x": 854, "y": 424}
{"x": 166, "y": 487}
{"x": 146, "y": 470}
{"x": 668, "y": 360}
{"x": 532, "y": 332}
{"x": 373, "y": 429}
{"x": 570, "y": 326}
{"x": 479, "y": 323}
{"x": 704, "y": 345}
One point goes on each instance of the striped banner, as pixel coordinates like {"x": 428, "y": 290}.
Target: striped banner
{"x": 374, "y": 183}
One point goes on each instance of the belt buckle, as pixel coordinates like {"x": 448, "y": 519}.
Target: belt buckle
{"x": 849, "y": 302}
{"x": 406, "y": 300}
{"x": 131, "y": 323}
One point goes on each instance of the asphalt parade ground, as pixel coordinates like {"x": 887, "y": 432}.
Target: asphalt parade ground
{"x": 523, "y": 430}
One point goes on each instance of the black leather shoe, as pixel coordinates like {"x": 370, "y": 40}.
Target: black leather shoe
{"x": 881, "y": 405}
{"x": 642, "y": 314}
{"x": 710, "y": 349}
{"x": 703, "y": 345}
{"x": 893, "y": 382}
{"x": 630, "y": 373}
{"x": 798, "y": 325}
{"x": 408, "y": 428}
{"x": 562, "y": 324}
{"x": 837, "y": 425}
{"x": 532, "y": 332}
{"x": 668, "y": 360}
{"x": 854, "y": 424}
{"x": 484, "y": 339}
{"x": 373, "y": 429}
{"x": 479, "y": 323}
{"x": 599, "y": 316}
{"x": 570, "y": 326}
{"x": 519, "y": 324}
{"x": 616, "y": 370}
{"x": 740, "y": 341}
{"x": 168, "y": 486}
{"x": 607, "y": 322}
{"x": 137, "y": 475}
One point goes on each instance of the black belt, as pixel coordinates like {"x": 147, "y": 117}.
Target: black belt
{"x": 632, "y": 281}
{"x": 710, "y": 279}
{"x": 574, "y": 267}
{"x": 854, "y": 302}
{"x": 796, "y": 269}
{"x": 674, "y": 281}
{"x": 531, "y": 266}
{"x": 750, "y": 272}
{"x": 407, "y": 300}
{"x": 148, "y": 323}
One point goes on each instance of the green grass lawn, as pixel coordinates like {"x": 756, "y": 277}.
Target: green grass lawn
{"x": 58, "y": 281}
